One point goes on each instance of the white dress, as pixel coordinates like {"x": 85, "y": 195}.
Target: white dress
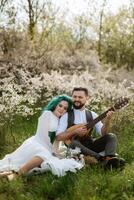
{"x": 40, "y": 145}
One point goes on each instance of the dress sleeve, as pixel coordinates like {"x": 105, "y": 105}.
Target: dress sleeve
{"x": 44, "y": 121}
{"x": 43, "y": 127}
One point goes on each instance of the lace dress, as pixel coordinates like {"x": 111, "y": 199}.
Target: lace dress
{"x": 41, "y": 145}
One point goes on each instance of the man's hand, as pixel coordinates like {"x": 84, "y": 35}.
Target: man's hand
{"x": 109, "y": 115}
{"x": 81, "y": 131}
{"x": 106, "y": 124}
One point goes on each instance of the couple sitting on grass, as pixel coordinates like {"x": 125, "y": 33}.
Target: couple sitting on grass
{"x": 41, "y": 150}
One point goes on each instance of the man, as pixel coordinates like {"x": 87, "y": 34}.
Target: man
{"x": 107, "y": 142}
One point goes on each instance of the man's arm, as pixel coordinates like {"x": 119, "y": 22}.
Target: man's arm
{"x": 106, "y": 125}
{"x": 67, "y": 135}
{"x": 103, "y": 128}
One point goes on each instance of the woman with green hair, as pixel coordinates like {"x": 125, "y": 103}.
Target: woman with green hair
{"x": 38, "y": 150}
{"x": 56, "y": 100}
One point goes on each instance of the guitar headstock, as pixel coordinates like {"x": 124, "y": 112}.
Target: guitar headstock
{"x": 121, "y": 102}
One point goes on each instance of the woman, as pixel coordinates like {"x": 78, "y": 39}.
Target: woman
{"x": 38, "y": 150}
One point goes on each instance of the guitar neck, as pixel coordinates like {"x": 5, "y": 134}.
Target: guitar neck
{"x": 99, "y": 118}
{"x": 119, "y": 104}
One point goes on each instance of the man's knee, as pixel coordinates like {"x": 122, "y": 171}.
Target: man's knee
{"x": 111, "y": 137}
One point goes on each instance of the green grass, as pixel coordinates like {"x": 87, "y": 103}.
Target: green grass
{"x": 90, "y": 183}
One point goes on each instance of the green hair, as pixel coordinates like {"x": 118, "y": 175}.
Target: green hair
{"x": 56, "y": 100}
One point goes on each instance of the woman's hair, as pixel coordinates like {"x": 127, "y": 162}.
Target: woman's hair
{"x": 56, "y": 100}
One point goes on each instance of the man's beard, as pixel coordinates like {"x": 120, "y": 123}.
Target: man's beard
{"x": 79, "y": 106}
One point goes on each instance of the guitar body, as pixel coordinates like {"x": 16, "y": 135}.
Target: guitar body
{"x": 72, "y": 129}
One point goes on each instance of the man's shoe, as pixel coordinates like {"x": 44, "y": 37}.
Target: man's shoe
{"x": 122, "y": 162}
{"x": 109, "y": 162}
{"x": 112, "y": 163}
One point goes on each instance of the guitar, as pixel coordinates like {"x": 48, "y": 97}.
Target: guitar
{"x": 121, "y": 102}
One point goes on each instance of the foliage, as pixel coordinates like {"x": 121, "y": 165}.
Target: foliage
{"x": 118, "y": 38}
{"x": 21, "y": 93}
{"x": 43, "y": 34}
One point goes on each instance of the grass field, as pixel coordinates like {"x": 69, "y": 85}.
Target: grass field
{"x": 90, "y": 183}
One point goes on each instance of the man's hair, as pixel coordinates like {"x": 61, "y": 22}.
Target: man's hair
{"x": 81, "y": 89}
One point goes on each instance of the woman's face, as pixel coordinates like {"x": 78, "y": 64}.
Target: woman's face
{"x": 61, "y": 108}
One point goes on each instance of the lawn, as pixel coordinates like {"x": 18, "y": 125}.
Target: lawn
{"x": 90, "y": 183}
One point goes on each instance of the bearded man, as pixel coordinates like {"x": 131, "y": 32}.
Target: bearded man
{"x": 106, "y": 141}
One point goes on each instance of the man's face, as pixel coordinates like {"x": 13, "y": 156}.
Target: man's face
{"x": 79, "y": 99}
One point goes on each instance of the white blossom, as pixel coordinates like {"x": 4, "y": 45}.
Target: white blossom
{"x": 19, "y": 96}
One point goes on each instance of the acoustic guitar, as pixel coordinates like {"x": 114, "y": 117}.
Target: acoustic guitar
{"x": 121, "y": 102}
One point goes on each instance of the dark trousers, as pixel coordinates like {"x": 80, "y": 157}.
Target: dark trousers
{"x": 90, "y": 146}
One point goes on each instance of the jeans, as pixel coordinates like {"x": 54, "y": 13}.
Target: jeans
{"x": 90, "y": 146}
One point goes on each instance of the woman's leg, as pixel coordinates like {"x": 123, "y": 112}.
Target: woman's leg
{"x": 34, "y": 162}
